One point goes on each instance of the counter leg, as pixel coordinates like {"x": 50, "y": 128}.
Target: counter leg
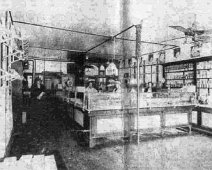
{"x": 127, "y": 126}
{"x": 199, "y": 118}
{"x": 189, "y": 131}
{"x": 189, "y": 121}
{"x": 162, "y": 124}
{"x": 92, "y": 141}
{"x": 131, "y": 127}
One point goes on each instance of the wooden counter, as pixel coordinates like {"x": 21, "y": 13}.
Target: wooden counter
{"x": 112, "y": 115}
{"x": 121, "y": 121}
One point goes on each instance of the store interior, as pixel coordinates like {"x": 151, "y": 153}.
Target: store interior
{"x": 101, "y": 84}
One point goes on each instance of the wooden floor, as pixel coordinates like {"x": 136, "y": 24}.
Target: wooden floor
{"x": 50, "y": 132}
{"x": 29, "y": 162}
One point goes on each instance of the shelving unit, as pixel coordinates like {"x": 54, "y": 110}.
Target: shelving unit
{"x": 148, "y": 72}
{"x": 196, "y": 71}
{"x": 204, "y": 77}
{"x": 178, "y": 75}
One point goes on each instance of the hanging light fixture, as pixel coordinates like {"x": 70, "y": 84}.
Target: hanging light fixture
{"x": 111, "y": 68}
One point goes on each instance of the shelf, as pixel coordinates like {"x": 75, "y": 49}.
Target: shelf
{"x": 141, "y": 66}
{"x": 149, "y": 73}
{"x": 177, "y": 71}
{"x": 204, "y": 78}
{"x": 191, "y": 60}
{"x": 176, "y": 87}
{"x": 99, "y": 76}
{"x": 204, "y": 69}
{"x": 143, "y": 74}
{"x": 204, "y": 87}
{"x": 181, "y": 79}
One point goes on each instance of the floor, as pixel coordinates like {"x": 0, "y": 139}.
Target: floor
{"x": 49, "y": 131}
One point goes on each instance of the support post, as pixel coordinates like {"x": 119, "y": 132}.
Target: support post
{"x": 138, "y": 55}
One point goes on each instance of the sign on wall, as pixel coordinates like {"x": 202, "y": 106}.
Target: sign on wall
{"x": 51, "y": 66}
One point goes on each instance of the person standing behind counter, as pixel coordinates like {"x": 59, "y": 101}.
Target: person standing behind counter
{"x": 150, "y": 88}
{"x": 101, "y": 88}
{"x": 90, "y": 88}
{"x": 37, "y": 90}
{"x": 117, "y": 88}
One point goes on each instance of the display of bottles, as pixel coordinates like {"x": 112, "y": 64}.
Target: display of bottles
{"x": 198, "y": 73}
{"x": 180, "y": 75}
{"x": 204, "y": 83}
{"x": 175, "y": 84}
{"x": 204, "y": 73}
{"x": 204, "y": 65}
{"x": 180, "y": 67}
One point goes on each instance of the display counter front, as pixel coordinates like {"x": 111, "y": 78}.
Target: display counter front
{"x": 110, "y": 115}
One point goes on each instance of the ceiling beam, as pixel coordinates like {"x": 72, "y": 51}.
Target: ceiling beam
{"x": 111, "y": 38}
{"x": 49, "y": 59}
{"x": 77, "y": 51}
{"x": 58, "y": 49}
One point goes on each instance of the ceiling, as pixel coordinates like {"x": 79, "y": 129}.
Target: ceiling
{"x": 98, "y": 17}
{"x": 104, "y": 17}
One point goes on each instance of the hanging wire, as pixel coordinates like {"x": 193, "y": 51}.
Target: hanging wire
{"x": 44, "y": 70}
{"x": 61, "y": 57}
{"x": 60, "y": 63}
{"x": 114, "y": 48}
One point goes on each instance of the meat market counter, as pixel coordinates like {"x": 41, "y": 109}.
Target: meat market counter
{"x": 109, "y": 115}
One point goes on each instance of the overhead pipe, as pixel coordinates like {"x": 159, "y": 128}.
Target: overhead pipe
{"x": 79, "y": 51}
{"x": 57, "y": 28}
{"x": 86, "y": 33}
{"x": 57, "y": 49}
